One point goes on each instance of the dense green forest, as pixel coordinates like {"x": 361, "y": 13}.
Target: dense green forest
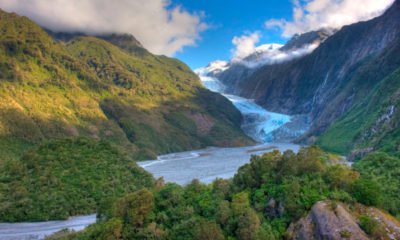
{"x": 260, "y": 202}
{"x": 65, "y": 178}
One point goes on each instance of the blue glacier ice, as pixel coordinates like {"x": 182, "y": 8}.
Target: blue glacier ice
{"x": 258, "y": 122}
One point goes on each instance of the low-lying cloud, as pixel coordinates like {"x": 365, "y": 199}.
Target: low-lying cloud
{"x": 275, "y": 56}
{"x": 159, "y": 26}
{"x": 247, "y": 51}
{"x": 316, "y": 14}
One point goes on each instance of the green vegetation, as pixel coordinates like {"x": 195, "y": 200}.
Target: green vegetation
{"x": 383, "y": 169}
{"x": 92, "y": 88}
{"x": 260, "y": 202}
{"x": 371, "y": 227}
{"x": 370, "y": 123}
{"x": 65, "y": 178}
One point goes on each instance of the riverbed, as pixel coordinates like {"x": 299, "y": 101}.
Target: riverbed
{"x": 208, "y": 164}
{"x": 39, "y": 230}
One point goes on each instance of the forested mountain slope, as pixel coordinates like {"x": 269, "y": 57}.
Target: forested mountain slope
{"x": 90, "y": 87}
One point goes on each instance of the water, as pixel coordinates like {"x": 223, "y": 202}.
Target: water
{"x": 207, "y": 164}
{"x": 39, "y": 230}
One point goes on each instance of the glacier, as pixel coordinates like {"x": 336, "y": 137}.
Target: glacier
{"x": 258, "y": 123}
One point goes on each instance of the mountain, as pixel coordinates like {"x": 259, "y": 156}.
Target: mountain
{"x": 235, "y": 71}
{"x": 125, "y": 41}
{"x": 313, "y": 37}
{"x": 76, "y": 114}
{"x": 333, "y": 79}
{"x": 106, "y": 88}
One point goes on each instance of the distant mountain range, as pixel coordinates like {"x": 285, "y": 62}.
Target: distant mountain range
{"x": 346, "y": 81}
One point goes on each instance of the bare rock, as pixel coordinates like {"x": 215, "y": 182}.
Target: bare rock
{"x": 327, "y": 221}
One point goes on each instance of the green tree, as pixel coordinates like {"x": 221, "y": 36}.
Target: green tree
{"x": 135, "y": 208}
{"x": 367, "y": 191}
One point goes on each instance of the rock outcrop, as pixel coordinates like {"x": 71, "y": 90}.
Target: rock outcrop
{"x": 330, "y": 221}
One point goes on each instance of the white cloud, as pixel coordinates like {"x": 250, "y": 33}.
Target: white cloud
{"x": 160, "y": 27}
{"x": 275, "y": 56}
{"x": 248, "y": 53}
{"x": 311, "y": 15}
{"x": 245, "y": 45}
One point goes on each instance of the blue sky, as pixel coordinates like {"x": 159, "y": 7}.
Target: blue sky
{"x": 230, "y": 19}
{"x": 172, "y": 27}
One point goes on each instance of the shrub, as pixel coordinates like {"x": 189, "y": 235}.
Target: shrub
{"x": 367, "y": 191}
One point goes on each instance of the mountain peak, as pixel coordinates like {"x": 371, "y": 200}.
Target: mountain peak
{"x": 124, "y": 40}
{"x": 308, "y": 38}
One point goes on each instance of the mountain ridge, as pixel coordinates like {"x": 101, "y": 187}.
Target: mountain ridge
{"x": 53, "y": 90}
{"x": 329, "y": 81}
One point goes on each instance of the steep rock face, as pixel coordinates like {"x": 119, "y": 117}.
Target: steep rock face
{"x": 334, "y": 77}
{"x": 313, "y": 37}
{"x": 371, "y": 124}
{"x": 236, "y": 71}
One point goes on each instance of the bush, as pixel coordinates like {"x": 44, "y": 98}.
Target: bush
{"x": 371, "y": 227}
{"x": 367, "y": 192}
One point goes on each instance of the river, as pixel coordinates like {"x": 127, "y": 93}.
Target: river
{"x": 38, "y": 230}
{"x": 205, "y": 164}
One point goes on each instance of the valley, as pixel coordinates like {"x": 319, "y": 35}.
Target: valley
{"x": 208, "y": 164}
{"x": 129, "y": 127}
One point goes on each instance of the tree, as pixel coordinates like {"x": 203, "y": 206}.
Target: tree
{"x": 135, "y": 208}
{"x": 248, "y": 225}
{"x": 367, "y": 191}
{"x": 208, "y": 230}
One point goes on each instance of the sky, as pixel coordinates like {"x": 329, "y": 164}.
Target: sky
{"x": 198, "y": 31}
{"x": 231, "y": 20}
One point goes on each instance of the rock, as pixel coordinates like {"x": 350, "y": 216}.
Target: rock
{"x": 327, "y": 221}
{"x": 274, "y": 209}
{"x": 359, "y": 153}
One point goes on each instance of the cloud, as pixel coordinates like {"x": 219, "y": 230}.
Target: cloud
{"x": 309, "y": 15}
{"x": 251, "y": 55}
{"x": 157, "y": 24}
{"x": 276, "y": 55}
{"x": 245, "y": 45}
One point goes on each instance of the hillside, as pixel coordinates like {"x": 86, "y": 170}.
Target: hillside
{"x": 372, "y": 124}
{"x": 89, "y": 87}
{"x": 58, "y": 179}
